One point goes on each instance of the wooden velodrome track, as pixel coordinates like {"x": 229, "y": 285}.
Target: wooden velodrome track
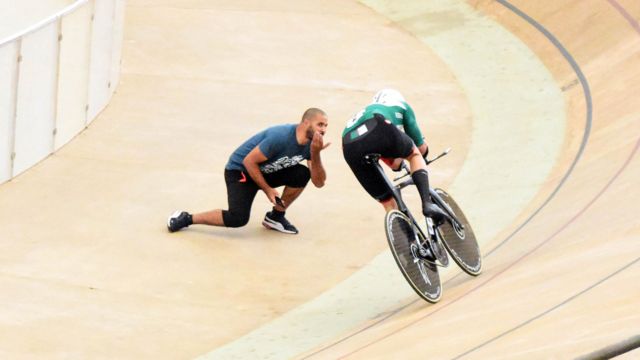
{"x": 543, "y": 119}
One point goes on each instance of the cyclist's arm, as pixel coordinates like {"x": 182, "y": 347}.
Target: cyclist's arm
{"x": 424, "y": 149}
{"x": 411, "y": 128}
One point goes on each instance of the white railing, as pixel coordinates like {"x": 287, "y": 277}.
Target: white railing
{"x": 55, "y": 77}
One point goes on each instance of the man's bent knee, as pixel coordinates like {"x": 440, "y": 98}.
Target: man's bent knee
{"x": 234, "y": 220}
{"x": 300, "y": 177}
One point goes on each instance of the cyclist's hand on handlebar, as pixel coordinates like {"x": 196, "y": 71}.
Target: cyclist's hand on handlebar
{"x": 426, "y": 152}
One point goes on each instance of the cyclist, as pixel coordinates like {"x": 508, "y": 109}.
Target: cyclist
{"x": 388, "y": 127}
{"x": 267, "y": 160}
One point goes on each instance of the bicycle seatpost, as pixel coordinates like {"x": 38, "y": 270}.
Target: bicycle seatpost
{"x": 371, "y": 158}
{"x": 395, "y": 193}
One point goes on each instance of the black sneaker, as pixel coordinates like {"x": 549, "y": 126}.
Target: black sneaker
{"x": 278, "y": 223}
{"x": 179, "y": 220}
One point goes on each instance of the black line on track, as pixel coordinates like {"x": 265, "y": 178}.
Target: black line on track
{"x": 585, "y": 137}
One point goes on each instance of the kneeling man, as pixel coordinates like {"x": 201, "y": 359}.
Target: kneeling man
{"x": 269, "y": 159}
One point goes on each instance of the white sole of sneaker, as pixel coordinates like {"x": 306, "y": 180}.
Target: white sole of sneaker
{"x": 274, "y": 225}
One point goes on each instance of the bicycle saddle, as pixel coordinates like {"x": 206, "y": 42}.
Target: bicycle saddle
{"x": 371, "y": 158}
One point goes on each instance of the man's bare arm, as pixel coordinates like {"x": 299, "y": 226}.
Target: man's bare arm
{"x": 251, "y": 162}
{"x": 318, "y": 174}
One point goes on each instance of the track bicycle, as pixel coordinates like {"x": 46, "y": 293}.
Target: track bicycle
{"x": 419, "y": 252}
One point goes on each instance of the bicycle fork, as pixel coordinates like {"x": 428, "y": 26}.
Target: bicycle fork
{"x": 434, "y": 242}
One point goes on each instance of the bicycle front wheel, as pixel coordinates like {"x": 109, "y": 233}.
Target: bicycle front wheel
{"x": 460, "y": 243}
{"x": 420, "y": 274}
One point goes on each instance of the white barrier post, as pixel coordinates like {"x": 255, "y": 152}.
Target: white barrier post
{"x": 89, "y": 69}
{"x": 118, "y": 35}
{"x": 73, "y": 81}
{"x": 102, "y": 48}
{"x": 56, "y": 86}
{"x": 14, "y": 110}
{"x": 9, "y": 54}
{"x": 7, "y": 73}
{"x": 36, "y": 89}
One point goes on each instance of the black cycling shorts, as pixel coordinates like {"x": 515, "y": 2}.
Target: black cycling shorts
{"x": 241, "y": 190}
{"x": 381, "y": 137}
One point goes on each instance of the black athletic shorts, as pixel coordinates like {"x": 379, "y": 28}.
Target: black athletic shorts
{"x": 380, "y": 137}
{"x": 241, "y": 189}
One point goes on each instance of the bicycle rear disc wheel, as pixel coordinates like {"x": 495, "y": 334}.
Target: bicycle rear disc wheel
{"x": 460, "y": 243}
{"x": 420, "y": 274}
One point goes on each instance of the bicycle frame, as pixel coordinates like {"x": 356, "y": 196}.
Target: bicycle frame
{"x": 434, "y": 194}
{"x": 397, "y": 188}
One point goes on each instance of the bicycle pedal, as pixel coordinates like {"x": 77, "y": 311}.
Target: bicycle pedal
{"x": 426, "y": 254}
{"x": 422, "y": 253}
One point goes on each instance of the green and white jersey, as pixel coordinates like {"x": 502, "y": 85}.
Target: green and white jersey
{"x": 400, "y": 114}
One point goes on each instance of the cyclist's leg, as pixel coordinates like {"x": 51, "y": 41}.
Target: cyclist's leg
{"x": 400, "y": 144}
{"x": 366, "y": 174}
{"x": 420, "y": 177}
{"x": 389, "y": 204}
{"x": 416, "y": 161}
{"x": 393, "y": 164}
{"x": 373, "y": 183}
{"x": 419, "y": 174}
{"x": 429, "y": 209}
